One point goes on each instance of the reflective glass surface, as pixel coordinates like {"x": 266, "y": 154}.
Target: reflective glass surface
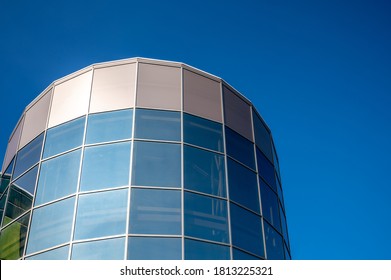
{"x": 266, "y": 170}
{"x": 58, "y": 177}
{"x": 270, "y": 209}
{"x": 105, "y": 166}
{"x": 51, "y": 225}
{"x": 27, "y": 181}
{"x": 156, "y": 164}
{"x": 206, "y": 217}
{"x": 108, "y": 249}
{"x": 19, "y": 201}
{"x": 28, "y": 156}
{"x": 101, "y": 214}
{"x": 109, "y": 126}
{"x": 154, "y": 211}
{"x": 243, "y": 185}
{"x": 198, "y": 250}
{"x": 240, "y": 255}
{"x": 274, "y": 244}
{"x": 8, "y": 172}
{"x": 64, "y": 137}
{"x": 239, "y": 148}
{"x": 262, "y": 137}
{"x": 13, "y": 239}
{"x": 287, "y": 255}
{"x": 246, "y": 230}
{"x": 154, "y": 248}
{"x": 158, "y": 125}
{"x": 204, "y": 171}
{"x": 284, "y": 226}
{"x": 203, "y": 133}
{"x": 60, "y": 253}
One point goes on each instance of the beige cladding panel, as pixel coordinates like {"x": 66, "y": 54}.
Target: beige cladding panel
{"x": 113, "y": 88}
{"x": 12, "y": 145}
{"x": 70, "y": 99}
{"x": 202, "y": 96}
{"x": 35, "y": 120}
{"x": 159, "y": 87}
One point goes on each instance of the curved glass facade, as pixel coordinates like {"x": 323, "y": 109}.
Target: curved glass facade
{"x": 141, "y": 159}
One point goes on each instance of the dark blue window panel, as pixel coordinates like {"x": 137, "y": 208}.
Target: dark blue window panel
{"x": 284, "y": 226}
{"x": 8, "y": 171}
{"x": 274, "y": 244}
{"x": 28, "y": 156}
{"x": 266, "y": 170}
{"x": 270, "y": 206}
{"x": 203, "y": 133}
{"x": 156, "y": 164}
{"x": 204, "y": 171}
{"x": 58, "y": 177}
{"x": 243, "y": 186}
{"x": 262, "y": 137}
{"x": 60, "y": 253}
{"x": 155, "y": 211}
{"x": 158, "y": 125}
{"x": 206, "y": 217}
{"x": 240, "y": 255}
{"x": 280, "y": 193}
{"x": 239, "y": 148}
{"x": 246, "y": 230}
{"x": 51, "y": 225}
{"x": 198, "y": 250}
{"x": 64, "y": 137}
{"x": 108, "y": 249}
{"x": 275, "y": 161}
{"x": 287, "y": 254}
{"x": 27, "y": 181}
{"x": 154, "y": 248}
{"x": 109, "y": 126}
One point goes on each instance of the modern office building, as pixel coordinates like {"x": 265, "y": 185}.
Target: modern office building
{"x": 141, "y": 159}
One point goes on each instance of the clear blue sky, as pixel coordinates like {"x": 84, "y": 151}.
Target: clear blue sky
{"x": 319, "y": 72}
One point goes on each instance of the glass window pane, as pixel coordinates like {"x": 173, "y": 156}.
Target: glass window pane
{"x": 19, "y": 201}
{"x": 155, "y": 211}
{"x": 28, "y": 156}
{"x": 287, "y": 254}
{"x": 154, "y": 248}
{"x": 156, "y": 164}
{"x": 284, "y": 226}
{"x": 240, "y": 255}
{"x": 51, "y": 225}
{"x": 270, "y": 209}
{"x": 109, "y": 126}
{"x": 55, "y": 254}
{"x": 13, "y": 144}
{"x": 101, "y": 214}
{"x": 262, "y": 137}
{"x": 203, "y": 133}
{"x": 198, "y": 250}
{"x": 28, "y": 180}
{"x": 105, "y": 166}
{"x": 58, "y": 177}
{"x": 274, "y": 244}
{"x": 108, "y": 249}
{"x": 246, "y": 230}
{"x": 243, "y": 185}
{"x": 239, "y": 148}
{"x": 158, "y": 125}
{"x": 206, "y": 217}
{"x": 204, "y": 171}
{"x": 13, "y": 239}
{"x": 64, "y": 137}
{"x": 266, "y": 170}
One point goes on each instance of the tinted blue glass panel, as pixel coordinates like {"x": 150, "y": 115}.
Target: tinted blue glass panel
{"x": 274, "y": 244}
{"x": 64, "y": 137}
{"x": 154, "y": 248}
{"x": 158, "y": 125}
{"x": 284, "y": 226}
{"x": 262, "y": 137}
{"x": 55, "y": 254}
{"x": 19, "y": 201}
{"x": 27, "y": 181}
{"x": 280, "y": 193}
{"x": 105, "y": 166}
{"x": 8, "y": 171}
{"x": 28, "y": 156}
{"x": 275, "y": 161}
{"x": 109, "y": 249}
{"x": 239, "y": 148}
{"x": 156, "y": 164}
{"x": 206, "y": 217}
{"x": 109, "y": 126}
{"x": 270, "y": 209}
{"x": 51, "y": 225}
{"x": 246, "y": 230}
{"x": 266, "y": 170}
{"x": 240, "y": 255}
{"x": 58, "y": 177}
{"x": 155, "y": 211}
{"x": 204, "y": 171}
{"x": 101, "y": 214}
{"x": 203, "y": 133}
{"x": 198, "y": 250}
{"x": 13, "y": 239}
{"x": 243, "y": 185}
{"x": 287, "y": 255}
